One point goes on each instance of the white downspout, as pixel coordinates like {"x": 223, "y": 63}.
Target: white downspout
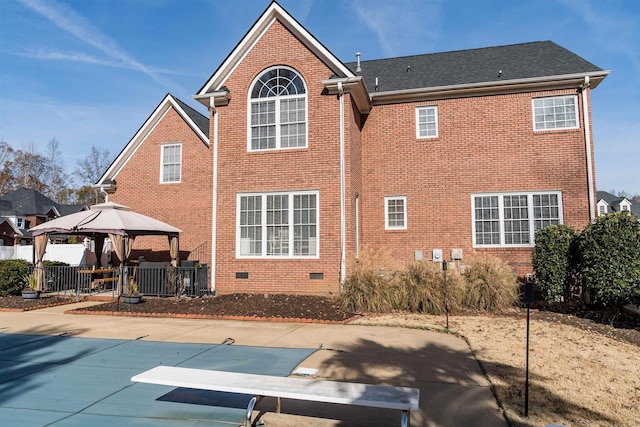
{"x": 214, "y": 210}
{"x": 587, "y": 141}
{"x": 343, "y": 240}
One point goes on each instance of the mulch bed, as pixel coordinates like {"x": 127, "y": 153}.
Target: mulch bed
{"x": 233, "y": 306}
{"x": 17, "y": 303}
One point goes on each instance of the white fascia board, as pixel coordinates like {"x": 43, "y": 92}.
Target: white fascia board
{"x": 274, "y": 12}
{"x": 145, "y": 130}
{"x": 485, "y": 88}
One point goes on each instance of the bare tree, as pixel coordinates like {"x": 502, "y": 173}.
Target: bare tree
{"x": 7, "y": 179}
{"x": 29, "y": 169}
{"x": 56, "y": 178}
{"x": 89, "y": 170}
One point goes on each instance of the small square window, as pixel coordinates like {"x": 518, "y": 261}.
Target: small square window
{"x": 427, "y": 122}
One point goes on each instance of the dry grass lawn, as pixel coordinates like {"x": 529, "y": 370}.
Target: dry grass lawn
{"x": 577, "y": 376}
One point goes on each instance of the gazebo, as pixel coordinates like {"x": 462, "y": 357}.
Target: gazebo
{"x": 119, "y": 222}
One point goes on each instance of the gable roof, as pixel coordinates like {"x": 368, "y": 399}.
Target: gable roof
{"x": 272, "y": 13}
{"x": 198, "y": 122}
{"x": 614, "y": 201}
{"x": 25, "y": 201}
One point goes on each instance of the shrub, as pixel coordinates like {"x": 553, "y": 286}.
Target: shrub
{"x": 490, "y": 285}
{"x": 366, "y": 292}
{"x": 12, "y": 272}
{"x": 553, "y": 261}
{"x": 421, "y": 287}
{"x": 371, "y": 285}
{"x": 609, "y": 259}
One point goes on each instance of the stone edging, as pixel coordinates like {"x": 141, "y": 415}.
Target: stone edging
{"x": 35, "y": 307}
{"x": 208, "y": 317}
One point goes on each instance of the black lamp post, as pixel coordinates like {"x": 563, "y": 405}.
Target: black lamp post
{"x": 528, "y": 300}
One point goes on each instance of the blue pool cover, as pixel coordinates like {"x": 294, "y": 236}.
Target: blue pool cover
{"x": 68, "y": 381}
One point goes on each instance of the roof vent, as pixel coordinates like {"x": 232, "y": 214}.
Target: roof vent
{"x": 500, "y": 74}
{"x": 408, "y": 68}
{"x": 358, "y": 68}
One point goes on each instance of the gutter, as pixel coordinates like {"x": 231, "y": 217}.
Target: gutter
{"x": 587, "y": 142}
{"x": 343, "y": 227}
{"x": 488, "y": 88}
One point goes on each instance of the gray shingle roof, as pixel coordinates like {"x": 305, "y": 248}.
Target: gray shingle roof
{"x": 614, "y": 202}
{"x": 518, "y": 61}
{"x": 198, "y": 118}
{"x": 25, "y": 201}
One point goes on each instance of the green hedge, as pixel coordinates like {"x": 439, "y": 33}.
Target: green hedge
{"x": 609, "y": 259}
{"x": 12, "y": 272}
{"x": 553, "y": 261}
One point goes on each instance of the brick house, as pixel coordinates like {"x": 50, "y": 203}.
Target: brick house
{"x": 304, "y": 159}
{"x": 24, "y": 208}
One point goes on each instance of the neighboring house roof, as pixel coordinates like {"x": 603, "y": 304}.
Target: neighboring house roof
{"x": 25, "y": 201}
{"x": 69, "y": 209}
{"x": 195, "y": 120}
{"x": 614, "y": 202}
{"x": 12, "y": 225}
{"x": 497, "y": 64}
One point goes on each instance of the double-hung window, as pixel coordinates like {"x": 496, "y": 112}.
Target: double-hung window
{"x": 427, "y": 122}
{"x": 278, "y": 224}
{"x": 170, "y": 163}
{"x": 511, "y": 219}
{"x": 557, "y": 112}
{"x": 395, "y": 213}
{"x": 277, "y": 111}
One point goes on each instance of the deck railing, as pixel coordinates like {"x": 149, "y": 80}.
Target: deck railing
{"x": 156, "y": 279}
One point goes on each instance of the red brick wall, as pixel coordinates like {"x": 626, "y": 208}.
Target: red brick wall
{"x": 312, "y": 168}
{"x": 186, "y": 205}
{"x": 485, "y": 144}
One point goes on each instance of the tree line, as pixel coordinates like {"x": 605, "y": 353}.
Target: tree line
{"x": 47, "y": 173}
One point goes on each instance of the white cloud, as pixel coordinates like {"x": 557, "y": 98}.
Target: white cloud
{"x": 56, "y": 55}
{"x": 402, "y": 24}
{"x": 67, "y": 19}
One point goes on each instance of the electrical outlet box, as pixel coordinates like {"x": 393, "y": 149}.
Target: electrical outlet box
{"x": 456, "y": 254}
{"x": 417, "y": 255}
{"x": 436, "y": 255}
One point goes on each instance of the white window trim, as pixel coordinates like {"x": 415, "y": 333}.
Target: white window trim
{"x": 533, "y": 112}
{"x": 386, "y": 212}
{"x": 501, "y": 219}
{"x": 162, "y": 148}
{"x": 264, "y": 226}
{"x": 250, "y": 101}
{"x": 603, "y": 204}
{"x": 427, "y": 107}
{"x": 625, "y": 205}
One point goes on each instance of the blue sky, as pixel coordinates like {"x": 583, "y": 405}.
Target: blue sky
{"x": 89, "y": 72}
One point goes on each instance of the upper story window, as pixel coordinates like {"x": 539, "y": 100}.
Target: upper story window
{"x": 170, "y": 163}
{"x": 511, "y": 219}
{"x": 395, "y": 213}
{"x": 427, "y": 122}
{"x": 278, "y": 111}
{"x": 602, "y": 209}
{"x": 558, "y": 112}
{"x": 20, "y": 223}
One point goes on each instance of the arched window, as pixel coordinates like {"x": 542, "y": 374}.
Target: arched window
{"x": 278, "y": 110}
